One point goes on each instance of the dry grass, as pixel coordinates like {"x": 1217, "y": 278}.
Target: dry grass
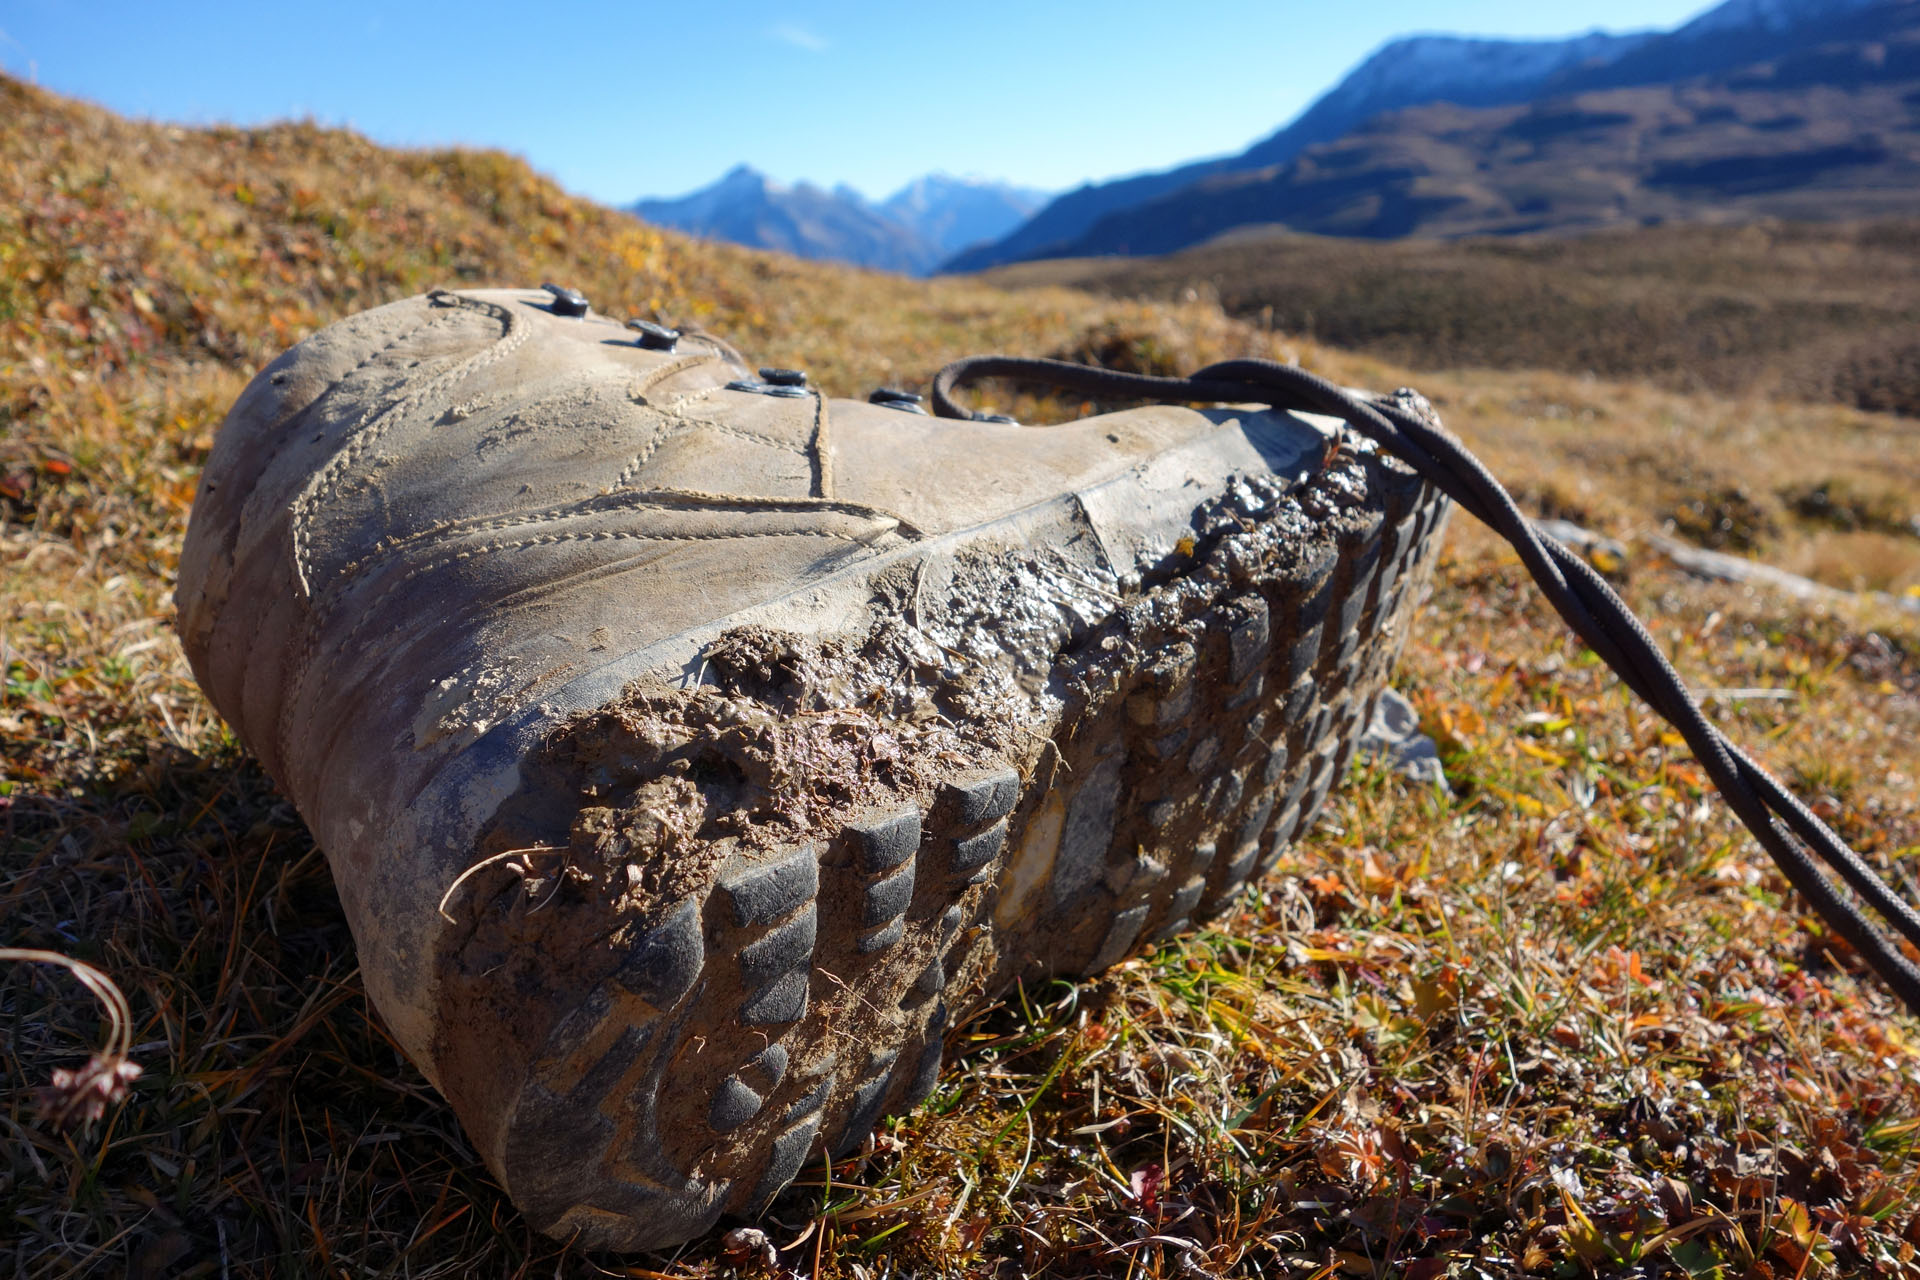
{"x": 1561, "y": 1022}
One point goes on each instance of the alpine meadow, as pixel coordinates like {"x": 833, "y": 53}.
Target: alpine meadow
{"x": 1558, "y": 1017}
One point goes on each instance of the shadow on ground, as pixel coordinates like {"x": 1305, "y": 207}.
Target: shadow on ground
{"x": 268, "y": 1080}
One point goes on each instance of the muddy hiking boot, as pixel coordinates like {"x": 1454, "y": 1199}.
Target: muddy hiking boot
{"x": 692, "y": 750}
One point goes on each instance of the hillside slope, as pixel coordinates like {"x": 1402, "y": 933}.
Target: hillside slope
{"x": 136, "y": 252}
{"x": 1814, "y": 311}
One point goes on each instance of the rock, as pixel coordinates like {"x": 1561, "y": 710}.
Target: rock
{"x": 1395, "y": 734}
{"x": 1715, "y": 566}
{"x": 1598, "y": 550}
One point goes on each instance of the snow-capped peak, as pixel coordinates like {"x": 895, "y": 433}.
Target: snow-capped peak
{"x": 914, "y": 230}
{"x": 1415, "y": 68}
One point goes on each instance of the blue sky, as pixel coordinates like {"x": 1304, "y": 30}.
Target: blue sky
{"x": 621, "y": 100}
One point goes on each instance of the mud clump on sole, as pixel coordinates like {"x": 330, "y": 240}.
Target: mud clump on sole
{"x": 667, "y": 783}
{"x": 692, "y": 768}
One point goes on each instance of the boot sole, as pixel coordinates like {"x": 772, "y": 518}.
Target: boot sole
{"x": 795, "y": 995}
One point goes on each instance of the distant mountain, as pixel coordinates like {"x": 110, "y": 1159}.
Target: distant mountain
{"x": 1828, "y": 127}
{"x": 952, "y": 214}
{"x": 1421, "y": 69}
{"x": 1407, "y": 183}
{"x": 1403, "y": 73}
{"x": 746, "y": 207}
{"x": 914, "y": 230}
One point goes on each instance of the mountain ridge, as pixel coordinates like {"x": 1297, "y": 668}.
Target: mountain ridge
{"x": 912, "y": 231}
{"x": 1184, "y": 206}
{"x": 1489, "y": 70}
{"x": 1830, "y": 131}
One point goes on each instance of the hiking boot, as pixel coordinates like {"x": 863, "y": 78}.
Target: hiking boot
{"x": 692, "y": 750}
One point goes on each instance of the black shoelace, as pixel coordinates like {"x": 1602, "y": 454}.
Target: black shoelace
{"x": 1785, "y": 827}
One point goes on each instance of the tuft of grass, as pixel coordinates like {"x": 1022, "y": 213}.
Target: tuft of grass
{"x": 1562, "y": 1020}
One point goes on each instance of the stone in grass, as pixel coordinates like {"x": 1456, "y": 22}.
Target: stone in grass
{"x": 1395, "y": 733}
